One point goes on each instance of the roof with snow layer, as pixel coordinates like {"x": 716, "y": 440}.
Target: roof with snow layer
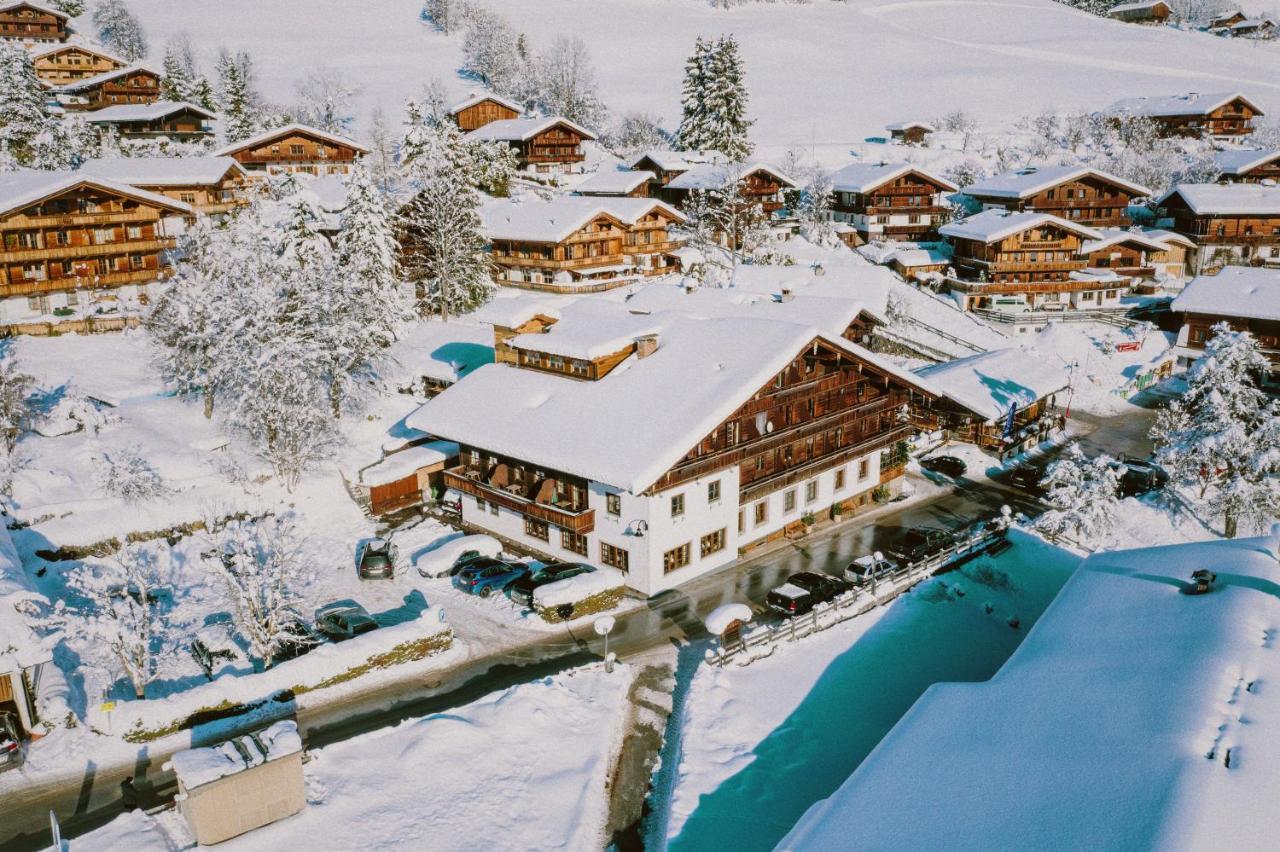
{"x": 1170, "y": 106}
{"x": 1236, "y": 161}
{"x": 39, "y": 7}
{"x": 1118, "y": 236}
{"x": 989, "y": 382}
{"x": 1024, "y": 183}
{"x": 1137, "y": 7}
{"x": 481, "y": 97}
{"x": 864, "y": 177}
{"x": 162, "y": 171}
{"x": 105, "y": 77}
{"x": 144, "y": 112}
{"x": 278, "y": 132}
{"x": 614, "y": 182}
{"x": 631, "y": 426}
{"x": 27, "y": 186}
{"x": 675, "y": 161}
{"x": 556, "y": 220}
{"x": 717, "y": 175}
{"x": 991, "y": 225}
{"x": 65, "y": 46}
{"x": 1236, "y": 291}
{"x": 523, "y": 129}
{"x": 1227, "y": 199}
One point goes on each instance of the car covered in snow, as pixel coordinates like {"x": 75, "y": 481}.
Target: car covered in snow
{"x": 10, "y": 742}
{"x": 920, "y": 543}
{"x": 378, "y": 558}
{"x": 484, "y": 576}
{"x": 803, "y": 591}
{"x": 215, "y": 650}
{"x": 866, "y": 570}
{"x": 453, "y": 554}
{"x": 521, "y": 591}
{"x": 344, "y": 620}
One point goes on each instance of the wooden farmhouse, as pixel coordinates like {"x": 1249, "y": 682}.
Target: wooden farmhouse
{"x": 1247, "y": 165}
{"x": 71, "y": 240}
{"x": 1216, "y": 114}
{"x": 743, "y": 430}
{"x": 483, "y": 108}
{"x": 209, "y": 185}
{"x": 33, "y": 23}
{"x": 1077, "y": 194}
{"x": 1138, "y": 254}
{"x": 1005, "y": 400}
{"x": 762, "y": 184}
{"x": 407, "y": 475}
{"x": 179, "y": 122}
{"x": 133, "y": 84}
{"x": 617, "y": 183}
{"x": 1229, "y": 223}
{"x": 542, "y": 145}
{"x": 1255, "y": 28}
{"x": 1227, "y": 19}
{"x": 67, "y": 63}
{"x": 666, "y": 166}
{"x": 888, "y": 201}
{"x": 296, "y": 149}
{"x": 1152, "y": 12}
{"x": 1246, "y": 298}
{"x": 910, "y": 132}
{"x": 1026, "y": 261}
{"x": 579, "y": 244}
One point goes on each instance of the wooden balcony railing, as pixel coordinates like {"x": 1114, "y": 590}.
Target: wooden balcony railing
{"x": 580, "y": 522}
{"x": 77, "y": 252}
{"x": 762, "y": 487}
{"x": 64, "y": 220}
{"x": 30, "y": 287}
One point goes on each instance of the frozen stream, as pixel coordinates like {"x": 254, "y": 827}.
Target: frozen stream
{"x": 941, "y": 631}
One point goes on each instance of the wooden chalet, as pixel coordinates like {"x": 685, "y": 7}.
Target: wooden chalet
{"x": 69, "y": 237}
{"x": 579, "y": 244}
{"x": 133, "y": 84}
{"x": 1154, "y": 12}
{"x": 1246, "y": 298}
{"x": 33, "y": 23}
{"x": 1215, "y": 114}
{"x": 406, "y": 476}
{"x": 888, "y": 201}
{"x": 1229, "y": 223}
{"x": 1030, "y": 261}
{"x": 1131, "y": 254}
{"x": 542, "y": 145}
{"x": 209, "y": 185}
{"x": 67, "y": 63}
{"x": 296, "y": 149}
{"x": 1227, "y": 19}
{"x": 1255, "y": 28}
{"x": 180, "y": 122}
{"x": 910, "y": 132}
{"x": 762, "y": 184}
{"x": 1247, "y": 165}
{"x": 483, "y": 108}
{"x": 666, "y": 166}
{"x": 1084, "y": 195}
{"x": 617, "y": 183}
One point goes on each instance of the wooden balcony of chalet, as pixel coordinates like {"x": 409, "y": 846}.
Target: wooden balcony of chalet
{"x": 32, "y": 286}
{"x": 537, "y": 499}
{"x": 86, "y": 251}
{"x": 1065, "y": 286}
{"x": 758, "y": 488}
{"x": 93, "y": 219}
{"x": 343, "y": 155}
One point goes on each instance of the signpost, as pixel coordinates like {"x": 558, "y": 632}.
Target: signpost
{"x": 603, "y": 626}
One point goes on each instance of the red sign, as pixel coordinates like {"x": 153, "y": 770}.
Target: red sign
{"x": 1134, "y": 346}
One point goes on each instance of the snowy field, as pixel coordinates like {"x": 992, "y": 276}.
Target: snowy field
{"x": 874, "y": 62}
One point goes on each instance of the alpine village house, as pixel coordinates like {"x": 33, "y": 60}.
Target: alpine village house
{"x": 1082, "y": 195}
{"x": 33, "y": 23}
{"x": 71, "y": 241}
{"x": 547, "y": 146}
{"x": 888, "y": 201}
{"x": 209, "y": 185}
{"x": 1246, "y": 298}
{"x": 133, "y": 84}
{"x": 1218, "y": 114}
{"x": 1247, "y": 165}
{"x": 177, "y": 121}
{"x": 1229, "y": 223}
{"x": 483, "y": 108}
{"x": 68, "y": 63}
{"x": 296, "y": 149}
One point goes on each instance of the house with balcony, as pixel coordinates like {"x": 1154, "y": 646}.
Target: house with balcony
{"x": 172, "y": 120}
{"x": 33, "y": 23}
{"x": 1075, "y": 193}
{"x": 1246, "y": 298}
{"x": 760, "y": 184}
{"x": 617, "y": 183}
{"x": 295, "y": 149}
{"x": 578, "y": 244}
{"x": 706, "y": 437}
{"x": 67, "y": 63}
{"x": 666, "y": 166}
{"x": 888, "y": 201}
{"x": 132, "y": 84}
{"x": 551, "y": 146}
{"x": 208, "y": 185}
{"x": 71, "y": 243}
{"x": 1247, "y": 165}
{"x": 481, "y": 108}
{"x": 1153, "y": 12}
{"x": 1230, "y": 224}
{"x": 1137, "y": 254}
{"x": 1223, "y": 115}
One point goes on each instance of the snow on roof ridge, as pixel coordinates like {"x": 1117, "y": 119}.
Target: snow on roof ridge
{"x": 997, "y": 224}
{"x": 987, "y": 382}
{"x": 75, "y": 45}
{"x": 481, "y": 96}
{"x": 1029, "y": 180}
{"x": 37, "y": 6}
{"x": 90, "y": 82}
{"x": 1236, "y": 291}
{"x": 28, "y": 186}
{"x": 1231, "y": 198}
{"x": 161, "y": 171}
{"x": 1187, "y": 103}
{"x": 136, "y": 112}
{"x": 865, "y": 176}
{"x": 295, "y": 127}
{"x": 521, "y": 129}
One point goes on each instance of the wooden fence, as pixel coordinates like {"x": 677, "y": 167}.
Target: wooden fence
{"x": 92, "y": 325}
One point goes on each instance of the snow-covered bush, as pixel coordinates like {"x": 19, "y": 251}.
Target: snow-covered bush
{"x": 1083, "y": 495}
{"x": 126, "y": 474}
{"x": 119, "y": 30}
{"x": 636, "y": 132}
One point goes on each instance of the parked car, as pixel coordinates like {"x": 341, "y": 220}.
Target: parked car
{"x": 341, "y": 621}
{"x": 521, "y": 591}
{"x": 1028, "y": 477}
{"x": 10, "y": 742}
{"x": 1139, "y": 477}
{"x": 378, "y": 558}
{"x": 803, "y": 591}
{"x": 446, "y": 559}
{"x": 215, "y": 649}
{"x": 945, "y": 465}
{"x": 867, "y": 569}
{"x": 485, "y": 575}
{"x": 299, "y": 639}
{"x": 921, "y": 543}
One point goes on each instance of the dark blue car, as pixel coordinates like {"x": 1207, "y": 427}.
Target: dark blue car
{"x": 485, "y": 575}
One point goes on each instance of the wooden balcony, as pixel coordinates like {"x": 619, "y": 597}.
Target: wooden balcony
{"x": 31, "y": 287}
{"x": 67, "y": 220}
{"x": 580, "y": 522}
{"x": 763, "y": 487}
{"x": 78, "y": 252}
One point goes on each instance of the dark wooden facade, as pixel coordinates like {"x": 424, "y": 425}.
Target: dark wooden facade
{"x": 138, "y": 86}
{"x": 759, "y": 187}
{"x": 1254, "y": 235}
{"x": 1091, "y": 199}
{"x": 1150, "y": 13}
{"x": 1234, "y": 118}
{"x": 1044, "y": 254}
{"x": 1199, "y": 329}
{"x": 297, "y": 150}
{"x": 482, "y": 112}
{"x": 72, "y": 62}
{"x": 182, "y": 124}
{"x": 32, "y": 22}
{"x": 558, "y": 146}
{"x": 1267, "y": 170}
{"x": 541, "y": 495}
{"x": 908, "y": 208}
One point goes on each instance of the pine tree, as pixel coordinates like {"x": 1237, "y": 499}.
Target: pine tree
{"x": 368, "y": 255}
{"x": 714, "y": 101}
{"x": 24, "y": 115}
{"x": 238, "y": 99}
{"x": 693, "y": 129}
{"x": 119, "y": 30}
{"x": 180, "y": 76}
{"x": 1083, "y": 496}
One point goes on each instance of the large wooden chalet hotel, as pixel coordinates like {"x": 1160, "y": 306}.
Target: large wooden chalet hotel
{"x": 661, "y": 442}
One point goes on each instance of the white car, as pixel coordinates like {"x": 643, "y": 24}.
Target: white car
{"x": 440, "y": 561}
{"x": 865, "y": 570}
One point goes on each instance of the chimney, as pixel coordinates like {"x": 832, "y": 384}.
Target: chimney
{"x": 646, "y": 345}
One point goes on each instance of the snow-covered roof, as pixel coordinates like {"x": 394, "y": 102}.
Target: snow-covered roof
{"x": 556, "y": 220}
{"x": 105, "y": 77}
{"x": 516, "y": 311}
{"x": 991, "y": 225}
{"x": 39, "y": 7}
{"x": 1236, "y": 291}
{"x": 614, "y": 182}
{"x": 27, "y": 186}
{"x": 407, "y": 462}
{"x": 196, "y": 767}
{"x": 607, "y": 430}
{"x": 1131, "y": 717}
{"x": 1024, "y": 183}
{"x": 864, "y": 177}
{"x": 716, "y": 175}
{"x": 676, "y": 161}
{"x": 1170, "y": 106}
{"x": 522, "y": 129}
{"x": 479, "y": 98}
{"x": 918, "y": 257}
{"x": 162, "y": 171}
{"x": 1253, "y": 24}
{"x": 1137, "y": 7}
{"x": 590, "y": 329}
{"x": 1165, "y": 237}
{"x": 987, "y": 383}
{"x": 276, "y": 133}
{"x": 1118, "y": 236}
{"x": 84, "y": 48}
{"x": 1227, "y": 199}
{"x": 144, "y": 112}
{"x": 908, "y": 125}
{"x": 1236, "y": 161}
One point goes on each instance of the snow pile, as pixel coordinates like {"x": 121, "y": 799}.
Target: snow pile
{"x": 719, "y": 619}
{"x": 1133, "y": 716}
{"x": 571, "y": 590}
{"x": 1103, "y": 375}
{"x": 198, "y": 766}
{"x": 438, "y": 560}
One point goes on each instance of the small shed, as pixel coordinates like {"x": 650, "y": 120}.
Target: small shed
{"x": 727, "y": 621}
{"x": 1152, "y": 12}
{"x": 404, "y": 477}
{"x": 910, "y": 132}
{"x": 242, "y": 784}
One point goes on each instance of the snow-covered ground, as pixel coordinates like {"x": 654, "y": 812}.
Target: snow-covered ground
{"x": 525, "y": 768}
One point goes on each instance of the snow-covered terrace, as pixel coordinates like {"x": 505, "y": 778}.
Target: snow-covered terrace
{"x": 1132, "y": 717}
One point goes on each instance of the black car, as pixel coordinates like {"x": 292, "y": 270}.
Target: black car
{"x": 521, "y": 591}
{"x": 1028, "y": 477}
{"x": 921, "y": 543}
{"x": 1139, "y": 477}
{"x": 377, "y": 559}
{"x": 10, "y": 742}
{"x": 945, "y": 465}
{"x": 297, "y": 640}
{"x": 343, "y": 621}
{"x": 803, "y": 591}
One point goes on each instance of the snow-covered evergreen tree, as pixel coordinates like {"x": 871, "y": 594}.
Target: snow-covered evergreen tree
{"x": 119, "y": 30}
{"x": 1083, "y": 497}
{"x": 567, "y": 83}
{"x": 15, "y": 402}
{"x": 237, "y": 95}
{"x": 326, "y": 100}
{"x": 813, "y": 208}
{"x": 180, "y": 80}
{"x": 694, "y": 126}
{"x": 74, "y": 8}
{"x": 714, "y": 101}
{"x": 24, "y": 114}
